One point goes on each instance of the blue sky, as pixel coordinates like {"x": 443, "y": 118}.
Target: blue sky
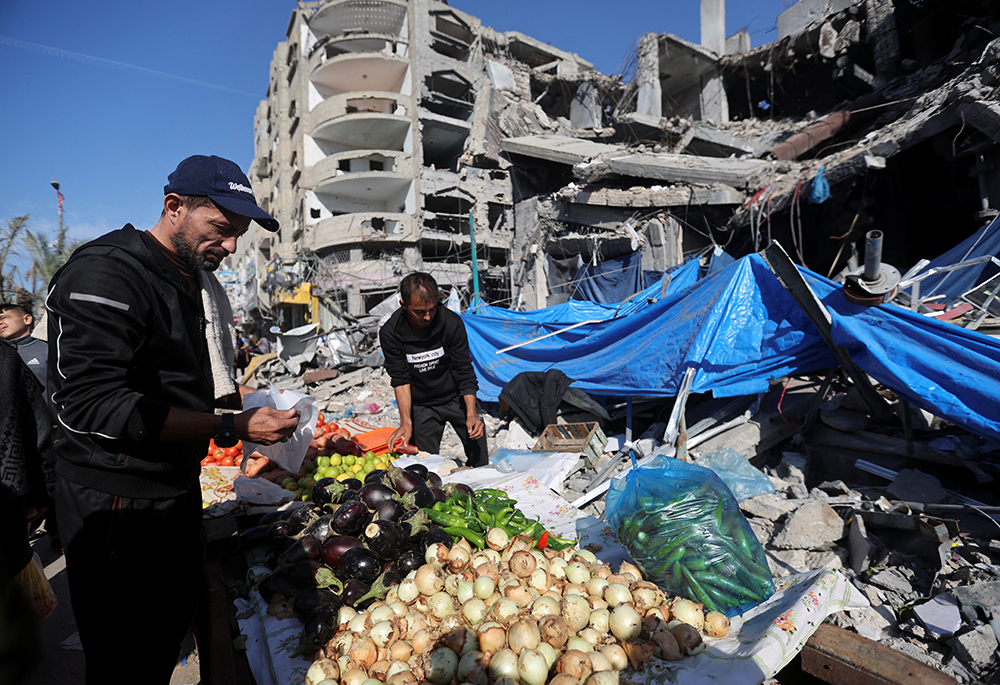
{"x": 106, "y": 97}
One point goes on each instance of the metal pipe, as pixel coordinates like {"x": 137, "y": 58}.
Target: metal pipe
{"x": 811, "y": 136}
{"x": 873, "y": 255}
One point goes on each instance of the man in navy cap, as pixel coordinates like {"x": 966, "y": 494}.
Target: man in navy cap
{"x": 140, "y": 331}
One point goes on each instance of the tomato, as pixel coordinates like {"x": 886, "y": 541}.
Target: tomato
{"x": 207, "y": 461}
{"x": 332, "y": 426}
{"x": 321, "y": 419}
{"x": 226, "y": 461}
{"x": 238, "y": 461}
{"x": 219, "y": 453}
{"x": 239, "y": 445}
{"x": 232, "y": 451}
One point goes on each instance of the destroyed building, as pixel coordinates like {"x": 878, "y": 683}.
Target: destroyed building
{"x": 406, "y": 135}
{"x": 377, "y": 150}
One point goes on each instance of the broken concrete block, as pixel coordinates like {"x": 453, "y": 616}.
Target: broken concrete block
{"x": 786, "y": 562}
{"x": 763, "y": 533}
{"x": 814, "y": 525}
{"x": 911, "y": 485}
{"x": 939, "y": 616}
{"x": 976, "y": 647}
{"x": 767, "y": 506}
{"x": 870, "y": 622}
{"x": 316, "y": 375}
{"x": 793, "y": 468}
{"x": 860, "y": 546}
{"x": 874, "y": 595}
{"x": 890, "y": 579}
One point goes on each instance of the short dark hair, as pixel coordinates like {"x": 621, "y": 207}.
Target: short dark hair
{"x": 418, "y": 281}
{"x": 23, "y": 311}
{"x": 194, "y": 202}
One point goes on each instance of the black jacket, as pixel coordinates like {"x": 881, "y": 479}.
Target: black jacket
{"x": 438, "y": 368}
{"x": 127, "y": 343}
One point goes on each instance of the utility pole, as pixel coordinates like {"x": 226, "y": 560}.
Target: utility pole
{"x": 60, "y": 198}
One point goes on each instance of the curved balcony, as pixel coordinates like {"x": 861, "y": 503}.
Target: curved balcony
{"x": 368, "y": 101}
{"x": 362, "y": 131}
{"x": 350, "y": 162}
{"x": 362, "y": 227}
{"x": 339, "y": 17}
{"x": 361, "y": 71}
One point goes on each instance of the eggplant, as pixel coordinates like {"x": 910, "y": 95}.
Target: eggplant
{"x": 409, "y": 561}
{"x": 373, "y": 494}
{"x": 418, "y": 469}
{"x": 254, "y": 537}
{"x": 402, "y": 481}
{"x": 327, "y": 491}
{"x": 278, "y": 535}
{"x": 320, "y": 626}
{"x": 350, "y": 518}
{"x": 334, "y": 548}
{"x": 300, "y": 518}
{"x": 307, "y": 600}
{"x": 312, "y": 574}
{"x": 375, "y": 476}
{"x": 419, "y": 497}
{"x": 270, "y": 517}
{"x": 359, "y": 563}
{"x": 349, "y": 496}
{"x": 379, "y": 588}
{"x": 321, "y": 528}
{"x": 272, "y": 560}
{"x": 276, "y": 584}
{"x": 352, "y": 483}
{"x": 451, "y": 489}
{"x": 354, "y": 590}
{"x": 385, "y": 539}
{"x": 415, "y": 521}
{"x": 439, "y": 494}
{"x": 434, "y": 480}
{"x": 437, "y": 534}
{"x": 389, "y": 510}
{"x": 306, "y": 547}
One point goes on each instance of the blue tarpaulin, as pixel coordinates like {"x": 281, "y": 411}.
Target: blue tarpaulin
{"x": 985, "y": 241}
{"x": 739, "y": 328}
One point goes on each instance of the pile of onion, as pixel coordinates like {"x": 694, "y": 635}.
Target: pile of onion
{"x": 511, "y": 616}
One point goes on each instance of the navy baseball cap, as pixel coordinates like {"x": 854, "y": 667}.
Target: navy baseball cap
{"x": 223, "y": 182}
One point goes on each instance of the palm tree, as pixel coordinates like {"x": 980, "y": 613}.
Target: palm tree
{"x": 46, "y": 257}
{"x": 8, "y": 238}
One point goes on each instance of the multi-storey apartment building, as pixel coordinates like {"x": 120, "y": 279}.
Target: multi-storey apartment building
{"x": 374, "y": 150}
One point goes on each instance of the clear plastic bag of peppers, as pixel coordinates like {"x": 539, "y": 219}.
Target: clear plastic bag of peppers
{"x": 683, "y": 528}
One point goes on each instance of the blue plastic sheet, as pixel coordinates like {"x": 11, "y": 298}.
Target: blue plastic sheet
{"x": 740, "y": 329}
{"x": 985, "y": 241}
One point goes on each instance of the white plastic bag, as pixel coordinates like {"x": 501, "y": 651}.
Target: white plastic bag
{"x": 288, "y": 455}
{"x": 260, "y": 491}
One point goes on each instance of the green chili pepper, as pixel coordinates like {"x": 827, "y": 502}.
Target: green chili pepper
{"x": 723, "y": 583}
{"x": 443, "y": 519}
{"x": 473, "y": 537}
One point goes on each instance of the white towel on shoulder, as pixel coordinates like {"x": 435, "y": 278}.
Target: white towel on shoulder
{"x": 219, "y": 332}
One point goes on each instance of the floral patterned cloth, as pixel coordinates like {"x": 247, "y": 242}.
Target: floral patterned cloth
{"x": 759, "y": 644}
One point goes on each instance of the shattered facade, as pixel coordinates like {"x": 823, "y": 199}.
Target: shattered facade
{"x": 378, "y": 144}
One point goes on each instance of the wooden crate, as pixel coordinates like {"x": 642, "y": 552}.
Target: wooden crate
{"x": 586, "y": 438}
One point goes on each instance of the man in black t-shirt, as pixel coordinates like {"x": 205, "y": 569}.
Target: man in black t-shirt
{"x": 427, "y": 356}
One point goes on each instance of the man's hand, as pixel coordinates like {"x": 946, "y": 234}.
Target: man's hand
{"x": 475, "y": 427}
{"x": 266, "y": 425}
{"x": 401, "y": 434}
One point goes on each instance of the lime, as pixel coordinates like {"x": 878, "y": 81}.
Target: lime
{"x": 336, "y": 460}
{"x": 350, "y": 460}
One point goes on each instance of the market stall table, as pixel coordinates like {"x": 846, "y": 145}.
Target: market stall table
{"x": 759, "y": 644}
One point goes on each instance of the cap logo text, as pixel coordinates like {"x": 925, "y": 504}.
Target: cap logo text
{"x": 237, "y": 186}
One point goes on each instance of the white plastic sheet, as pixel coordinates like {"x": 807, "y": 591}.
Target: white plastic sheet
{"x": 288, "y": 455}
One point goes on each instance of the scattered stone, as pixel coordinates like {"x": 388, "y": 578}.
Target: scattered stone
{"x": 911, "y": 485}
{"x": 793, "y": 468}
{"x": 859, "y": 545}
{"x": 983, "y": 595}
{"x": 836, "y": 487}
{"x": 976, "y": 647}
{"x": 891, "y": 579}
{"x": 762, "y": 530}
{"x": 814, "y": 525}
{"x": 874, "y": 595}
{"x": 940, "y": 616}
{"x": 313, "y": 376}
{"x": 768, "y": 506}
{"x": 912, "y": 627}
{"x": 788, "y": 562}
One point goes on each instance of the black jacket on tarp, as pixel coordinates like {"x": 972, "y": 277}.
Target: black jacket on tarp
{"x": 535, "y": 396}
{"x": 127, "y": 344}
{"x": 438, "y": 368}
